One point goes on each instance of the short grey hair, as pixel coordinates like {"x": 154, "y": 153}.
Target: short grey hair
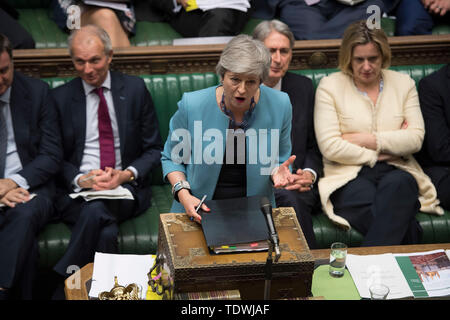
{"x": 264, "y": 28}
{"x": 243, "y": 54}
{"x": 93, "y": 30}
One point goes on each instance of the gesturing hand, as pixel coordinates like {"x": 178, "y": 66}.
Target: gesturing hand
{"x": 282, "y": 175}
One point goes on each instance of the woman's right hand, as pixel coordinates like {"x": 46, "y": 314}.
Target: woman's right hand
{"x": 190, "y": 203}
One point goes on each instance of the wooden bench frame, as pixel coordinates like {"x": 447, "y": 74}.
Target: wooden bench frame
{"x": 307, "y": 54}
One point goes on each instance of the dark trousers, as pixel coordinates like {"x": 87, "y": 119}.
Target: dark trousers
{"x": 327, "y": 19}
{"x": 305, "y": 205}
{"x": 19, "y": 228}
{"x": 381, "y": 203}
{"x": 95, "y": 228}
{"x": 216, "y": 22}
{"x": 440, "y": 176}
{"x": 413, "y": 19}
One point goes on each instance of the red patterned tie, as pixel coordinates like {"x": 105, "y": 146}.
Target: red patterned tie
{"x": 106, "y": 137}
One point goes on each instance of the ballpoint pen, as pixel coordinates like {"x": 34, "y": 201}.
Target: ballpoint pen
{"x": 198, "y": 207}
{"x": 200, "y": 204}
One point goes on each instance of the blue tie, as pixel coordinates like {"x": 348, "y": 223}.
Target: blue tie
{"x": 3, "y": 140}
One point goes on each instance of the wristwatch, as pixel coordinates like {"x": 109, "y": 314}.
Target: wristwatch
{"x": 182, "y": 184}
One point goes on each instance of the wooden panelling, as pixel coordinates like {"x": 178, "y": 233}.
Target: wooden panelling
{"x": 307, "y": 54}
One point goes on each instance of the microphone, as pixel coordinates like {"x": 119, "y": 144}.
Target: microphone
{"x": 266, "y": 209}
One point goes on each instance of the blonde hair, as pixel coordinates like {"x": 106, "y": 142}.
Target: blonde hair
{"x": 358, "y": 33}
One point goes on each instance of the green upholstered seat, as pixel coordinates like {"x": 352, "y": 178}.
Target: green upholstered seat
{"x": 36, "y": 19}
{"x": 139, "y": 235}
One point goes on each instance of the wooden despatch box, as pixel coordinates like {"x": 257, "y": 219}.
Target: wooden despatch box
{"x": 190, "y": 267}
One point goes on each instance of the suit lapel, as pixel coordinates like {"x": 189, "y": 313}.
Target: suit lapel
{"x": 20, "y": 104}
{"x": 120, "y": 106}
{"x": 448, "y": 82}
{"x": 78, "y": 111}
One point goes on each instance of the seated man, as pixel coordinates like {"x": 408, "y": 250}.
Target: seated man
{"x": 308, "y": 164}
{"x": 434, "y": 157}
{"x": 110, "y": 139}
{"x": 117, "y": 23}
{"x": 30, "y": 155}
{"x": 316, "y": 19}
{"x": 221, "y": 21}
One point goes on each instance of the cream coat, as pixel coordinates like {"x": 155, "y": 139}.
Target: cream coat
{"x": 340, "y": 108}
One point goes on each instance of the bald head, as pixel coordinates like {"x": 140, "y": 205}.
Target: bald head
{"x": 90, "y": 49}
{"x": 88, "y": 34}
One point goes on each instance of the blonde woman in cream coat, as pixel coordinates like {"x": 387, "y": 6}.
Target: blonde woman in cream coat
{"x": 368, "y": 124}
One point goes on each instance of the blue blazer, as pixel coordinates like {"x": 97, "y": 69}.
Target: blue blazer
{"x": 200, "y": 126}
{"x": 36, "y": 131}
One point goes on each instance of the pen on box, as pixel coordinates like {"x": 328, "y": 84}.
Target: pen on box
{"x": 88, "y": 178}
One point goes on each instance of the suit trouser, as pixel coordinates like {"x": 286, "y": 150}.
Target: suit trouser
{"x": 95, "y": 228}
{"x": 440, "y": 176}
{"x": 327, "y": 19}
{"x": 216, "y": 22}
{"x": 381, "y": 203}
{"x": 19, "y": 252}
{"x": 305, "y": 205}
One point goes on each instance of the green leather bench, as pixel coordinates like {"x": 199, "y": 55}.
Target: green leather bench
{"x": 35, "y": 17}
{"x": 139, "y": 235}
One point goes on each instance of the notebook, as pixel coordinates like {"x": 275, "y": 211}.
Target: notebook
{"x": 235, "y": 225}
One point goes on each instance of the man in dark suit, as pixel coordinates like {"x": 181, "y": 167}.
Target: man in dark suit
{"x": 315, "y": 19}
{"x": 193, "y": 23}
{"x": 110, "y": 139}
{"x": 434, "y": 96}
{"x": 308, "y": 163}
{"x": 30, "y": 155}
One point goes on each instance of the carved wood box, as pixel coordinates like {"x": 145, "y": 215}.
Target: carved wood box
{"x": 190, "y": 267}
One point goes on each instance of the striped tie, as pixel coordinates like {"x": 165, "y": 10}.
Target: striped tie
{"x": 3, "y": 140}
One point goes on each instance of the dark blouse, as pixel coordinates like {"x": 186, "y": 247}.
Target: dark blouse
{"x": 232, "y": 181}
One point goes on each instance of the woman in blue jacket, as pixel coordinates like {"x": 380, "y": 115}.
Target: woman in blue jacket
{"x": 231, "y": 140}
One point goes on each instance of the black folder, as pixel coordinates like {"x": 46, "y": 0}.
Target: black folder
{"x": 235, "y": 225}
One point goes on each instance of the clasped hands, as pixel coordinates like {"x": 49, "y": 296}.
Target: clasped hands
{"x": 11, "y": 194}
{"x": 107, "y": 179}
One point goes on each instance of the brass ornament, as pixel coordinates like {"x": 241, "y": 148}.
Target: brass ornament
{"x": 118, "y": 292}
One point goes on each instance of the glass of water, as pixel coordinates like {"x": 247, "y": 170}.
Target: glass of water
{"x": 338, "y": 255}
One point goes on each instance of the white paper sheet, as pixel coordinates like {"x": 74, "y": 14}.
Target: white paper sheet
{"x": 380, "y": 268}
{"x": 112, "y": 5}
{"x": 117, "y": 193}
{"x": 129, "y": 268}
